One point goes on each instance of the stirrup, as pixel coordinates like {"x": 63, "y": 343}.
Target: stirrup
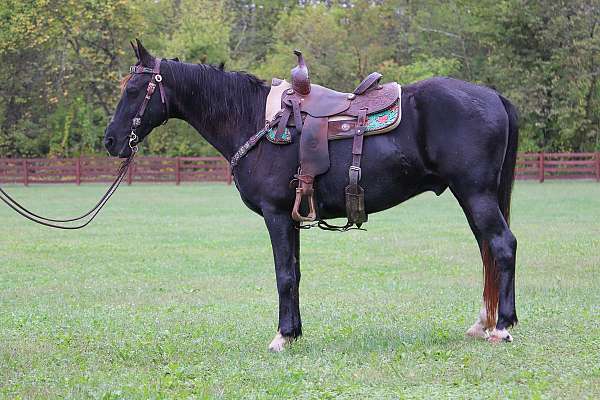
{"x": 312, "y": 211}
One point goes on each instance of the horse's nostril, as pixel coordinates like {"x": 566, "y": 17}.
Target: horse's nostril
{"x": 108, "y": 142}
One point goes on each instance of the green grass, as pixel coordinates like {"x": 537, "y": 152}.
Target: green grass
{"x": 171, "y": 294}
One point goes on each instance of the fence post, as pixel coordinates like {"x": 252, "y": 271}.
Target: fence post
{"x": 78, "y": 171}
{"x": 177, "y": 171}
{"x": 598, "y": 166}
{"x": 541, "y": 170}
{"x": 130, "y": 172}
{"x": 229, "y": 174}
{"x": 25, "y": 172}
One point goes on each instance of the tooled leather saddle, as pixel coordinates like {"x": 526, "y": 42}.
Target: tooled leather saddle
{"x": 320, "y": 114}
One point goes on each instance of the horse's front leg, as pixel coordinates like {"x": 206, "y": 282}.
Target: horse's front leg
{"x": 285, "y": 239}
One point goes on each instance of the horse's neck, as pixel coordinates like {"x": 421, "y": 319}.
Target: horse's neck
{"x": 226, "y": 116}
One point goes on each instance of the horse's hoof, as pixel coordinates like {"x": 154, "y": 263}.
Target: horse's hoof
{"x": 477, "y": 331}
{"x": 497, "y": 336}
{"x": 279, "y": 343}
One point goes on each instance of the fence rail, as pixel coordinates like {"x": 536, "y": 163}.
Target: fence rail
{"x": 542, "y": 166}
{"x": 537, "y": 166}
{"x": 103, "y": 169}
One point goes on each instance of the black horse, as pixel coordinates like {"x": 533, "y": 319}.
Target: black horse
{"x": 453, "y": 135}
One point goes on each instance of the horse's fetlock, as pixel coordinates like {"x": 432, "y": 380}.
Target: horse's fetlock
{"x": 507, "y": 320}
{"x": 291, "y": 332}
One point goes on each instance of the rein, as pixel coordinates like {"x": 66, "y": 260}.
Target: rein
{"x": 121, "y": 172}
{"x": 54, "y": 223}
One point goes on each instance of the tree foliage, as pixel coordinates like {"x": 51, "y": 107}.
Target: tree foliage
{"x": 62, "y": 59}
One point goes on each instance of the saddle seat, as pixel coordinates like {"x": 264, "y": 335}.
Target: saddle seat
{"x": 321, "y": 114}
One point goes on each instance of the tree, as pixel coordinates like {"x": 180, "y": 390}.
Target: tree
{"x": 62, "y": 59}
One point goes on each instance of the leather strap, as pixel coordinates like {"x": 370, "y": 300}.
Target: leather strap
{"x": 355, "y": 197}
{"x": 285, "y": 116}
{"x": 357, "y": 145}
{"x": 297, "y": 115}
{"x": 161, "y": 88}
{"x": 81, "y": 220}
{"x": 149, "y": 91}
{"x": 250, "y": 143}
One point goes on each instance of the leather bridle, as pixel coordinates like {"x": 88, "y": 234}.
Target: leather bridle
{"x": 154, "y": 81}
{"x": 89, "y": 216}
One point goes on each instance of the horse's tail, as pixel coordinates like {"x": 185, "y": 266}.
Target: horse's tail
{"x": 507, "y": 178}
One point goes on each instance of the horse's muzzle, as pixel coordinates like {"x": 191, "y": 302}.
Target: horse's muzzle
{"x": 125, "y": 151}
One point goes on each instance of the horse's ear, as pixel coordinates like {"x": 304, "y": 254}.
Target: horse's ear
{"x": 222, "y": 66}
{"x": 143, "y": 55}
{"x": 135, "y": 50}
{"x": 175, "y": 59}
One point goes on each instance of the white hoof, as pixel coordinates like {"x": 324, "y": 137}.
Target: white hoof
{"x": 477, "y": 331}
{"x": 502, "y": 335}
{"x": 279, "y": 342}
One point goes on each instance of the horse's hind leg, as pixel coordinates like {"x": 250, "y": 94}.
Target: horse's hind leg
{"x": 492, "y": 232}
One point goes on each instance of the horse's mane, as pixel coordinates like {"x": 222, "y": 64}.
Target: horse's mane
{"x": 224, "y": 97}
{"x": 219, "y": 93}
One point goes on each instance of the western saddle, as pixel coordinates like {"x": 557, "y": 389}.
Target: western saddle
{"x": 320, "y": 114}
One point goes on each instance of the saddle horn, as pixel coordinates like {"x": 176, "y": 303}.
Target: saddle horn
{"x": 300, "y": 78}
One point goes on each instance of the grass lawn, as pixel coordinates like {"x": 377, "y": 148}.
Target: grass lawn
{"x": 171, "y": 293}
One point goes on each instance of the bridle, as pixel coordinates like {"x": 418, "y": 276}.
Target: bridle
{"x": 123, "y": 168}
{"x": 154, "y": 81}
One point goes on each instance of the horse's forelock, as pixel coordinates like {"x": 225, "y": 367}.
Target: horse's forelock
{"x": 124, "y": 81}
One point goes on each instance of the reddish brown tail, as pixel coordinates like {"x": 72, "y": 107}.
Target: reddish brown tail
{"x": 490, "y": 285}
{"x": 507, "y": 178}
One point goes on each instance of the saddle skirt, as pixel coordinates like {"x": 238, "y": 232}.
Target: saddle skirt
{"x": 340, "y": 126}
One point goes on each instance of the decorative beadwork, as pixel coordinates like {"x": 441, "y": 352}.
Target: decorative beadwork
{"x": 384, "y": 118}
{"x": 285, "y": 137}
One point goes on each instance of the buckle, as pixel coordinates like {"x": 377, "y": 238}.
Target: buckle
{"x": 354, "y": 168}
{"x": 133, "y": 141}
{"x": 137, "y": 121}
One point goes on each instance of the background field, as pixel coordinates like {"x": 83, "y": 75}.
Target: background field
{"x": 171, "y": 294}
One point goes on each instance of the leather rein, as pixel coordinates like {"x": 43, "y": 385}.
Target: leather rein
{"x": 123, "y": 168}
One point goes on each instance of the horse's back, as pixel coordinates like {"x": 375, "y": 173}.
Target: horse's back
{"x": 443, "y": 99}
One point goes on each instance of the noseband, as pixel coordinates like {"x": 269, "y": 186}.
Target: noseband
{"x": 155, "y": 80}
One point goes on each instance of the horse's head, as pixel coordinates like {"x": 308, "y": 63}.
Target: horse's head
{"x": 140, "y": 108}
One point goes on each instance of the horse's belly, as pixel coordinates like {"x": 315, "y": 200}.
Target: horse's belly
{"x": 392, "y": 172}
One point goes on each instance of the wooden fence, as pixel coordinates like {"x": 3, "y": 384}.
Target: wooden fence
{"x": 539, "y": 166}
{"x": 104, "y": 169}
{"x": 542, "y": 166}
